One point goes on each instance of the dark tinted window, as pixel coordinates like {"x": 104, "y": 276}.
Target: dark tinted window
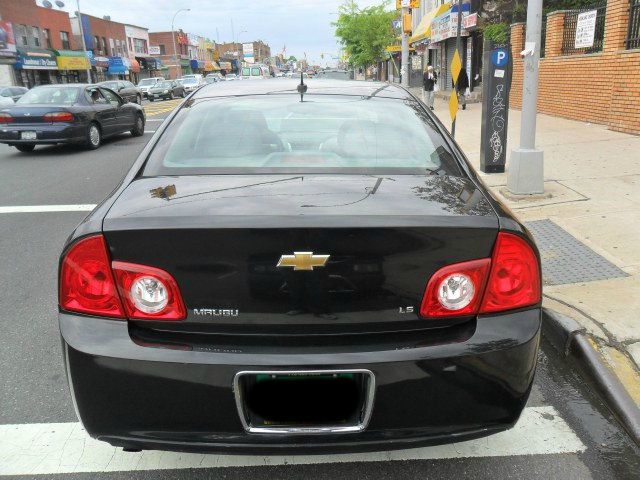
{"x": 280, "y": 134}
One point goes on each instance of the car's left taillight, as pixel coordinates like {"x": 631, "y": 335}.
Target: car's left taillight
{"x": 87, "y": 284}
{"x": 6, "y": 118}
{"x": 92, "y": 284}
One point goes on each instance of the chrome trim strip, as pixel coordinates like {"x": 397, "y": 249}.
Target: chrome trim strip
{"x": 367, "y": 407}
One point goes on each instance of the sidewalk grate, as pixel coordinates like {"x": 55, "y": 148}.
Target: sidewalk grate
{"x": 567, "y": 260}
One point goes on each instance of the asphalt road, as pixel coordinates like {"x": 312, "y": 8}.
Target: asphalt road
{"x": 566, "y": 432}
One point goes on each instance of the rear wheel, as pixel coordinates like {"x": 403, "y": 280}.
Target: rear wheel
{"x": 151, "y": 99}
{"x": 94, "y": 136}
{"x": 26, "y": 147}
{"x": 138, "y": 99}
{"x": 138, "y": 128}
{"x": 183, "y": 94}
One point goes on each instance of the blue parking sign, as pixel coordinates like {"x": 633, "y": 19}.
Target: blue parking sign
{"x": 500, "y": 57}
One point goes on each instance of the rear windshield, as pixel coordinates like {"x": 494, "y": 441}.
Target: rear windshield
{"x": 147, "y": 81}
{"x": 53, "y": 95}
{"x": 280, "y": 134}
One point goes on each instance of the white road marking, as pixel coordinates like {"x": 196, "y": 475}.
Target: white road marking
{"x": 47, "y": 208}
{"x": 55, "y": 448}
{"x": 155, "y": 120}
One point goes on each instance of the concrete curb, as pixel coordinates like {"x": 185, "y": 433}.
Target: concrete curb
{"x": 571, "y": 339}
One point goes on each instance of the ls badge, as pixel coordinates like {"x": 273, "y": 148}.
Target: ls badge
{"x": 303, "y": 260}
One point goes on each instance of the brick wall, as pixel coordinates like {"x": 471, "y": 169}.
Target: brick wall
{"x": 26, "y": 12}
{"x": 106, "y": 29}
{"x": 599, "y": 88}
{"x": 166, "y": 39}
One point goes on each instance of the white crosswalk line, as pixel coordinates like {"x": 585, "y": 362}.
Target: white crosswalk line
{"x": 55, "y": 448}
{"x": 47, "y": 208}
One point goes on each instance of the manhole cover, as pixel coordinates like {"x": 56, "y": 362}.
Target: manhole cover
{"x": 567, "y": 260}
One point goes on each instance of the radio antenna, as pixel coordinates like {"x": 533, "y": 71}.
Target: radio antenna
{"x": 302, "y": 88}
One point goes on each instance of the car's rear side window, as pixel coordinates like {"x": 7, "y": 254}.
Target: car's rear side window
{"x": 281, "y": 134}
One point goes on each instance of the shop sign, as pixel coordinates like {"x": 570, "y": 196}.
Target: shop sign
{"x": 154, "y": 49}
{"x": 73, "y": 63}
{"x": 37, "y": 61}
{"x": 7, "y": 40}
{"x": 247, "y": 52}
{"x": 470, "y": 20}
{"x": 446, "y": 26}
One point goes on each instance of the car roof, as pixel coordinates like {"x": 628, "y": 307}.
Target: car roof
{"x": 317, "y": 86}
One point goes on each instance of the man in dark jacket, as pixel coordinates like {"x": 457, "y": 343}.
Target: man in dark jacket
{"x": 461, "y": 88}
{"x": 429, "y": 80}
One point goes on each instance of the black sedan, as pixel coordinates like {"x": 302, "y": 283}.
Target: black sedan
{"x": 125, "y": 89}
{"x": 287, "y": 274}
{"x": 68, "y": 113}
{"x": 167, "y": 90}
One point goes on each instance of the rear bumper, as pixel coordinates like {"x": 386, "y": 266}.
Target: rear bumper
{"x": 45, "y": 133}
{"x": 155, "y": 398}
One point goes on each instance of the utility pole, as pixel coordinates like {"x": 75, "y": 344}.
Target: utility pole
{"x": 526, "y": 174}
{"x": 404, "y": 68}
{"x": 84, "y": 45}
{"x": 458, "y": 45}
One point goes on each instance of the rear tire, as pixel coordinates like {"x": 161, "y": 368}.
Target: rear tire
{"x": 26, "y": 147}
{"x": 138, "y": 128}
{"x": 183, "y": 94}
{"x": 94, "y": 136}
{"x": 138, "y": 99}
{"x": 151, "y": 99}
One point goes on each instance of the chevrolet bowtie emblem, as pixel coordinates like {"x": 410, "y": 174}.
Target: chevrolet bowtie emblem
{"x": 303, "y": 260}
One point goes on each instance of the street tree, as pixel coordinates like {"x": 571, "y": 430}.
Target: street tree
{"x": 365, "y": 32}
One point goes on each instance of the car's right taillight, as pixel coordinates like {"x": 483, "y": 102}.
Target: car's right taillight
{"x": 86, "y": 281}
{"x": 514, "y": 280}
{"x": 55, "y": 117}
{"x": 510, "y": 279}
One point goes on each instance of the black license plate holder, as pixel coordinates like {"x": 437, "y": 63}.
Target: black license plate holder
{"x": 305, "y": 401}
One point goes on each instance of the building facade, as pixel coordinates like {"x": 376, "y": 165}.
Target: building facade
{"x": 600, "y": 84}
{"x": 36, "y": 38}
{"x": 177, "y": 62}
{"x": 106, "y": 41}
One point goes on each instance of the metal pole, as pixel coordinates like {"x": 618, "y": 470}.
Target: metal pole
{"x": 525, "y": 175}
{"x": 404, "y": 68}
{"x": 84, "y": 45}
{"x": 173, "y": 37}
{"x": 458, "y": 45}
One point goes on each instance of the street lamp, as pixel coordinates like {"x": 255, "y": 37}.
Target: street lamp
{"x": 173, "y": 36}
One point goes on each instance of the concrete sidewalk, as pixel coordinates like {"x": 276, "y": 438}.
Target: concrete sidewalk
{"x": 588, "y": 230}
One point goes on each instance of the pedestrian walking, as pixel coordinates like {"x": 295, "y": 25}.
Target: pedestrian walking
{"x": 461, "y": 88}
{"x": 429, "y": 81}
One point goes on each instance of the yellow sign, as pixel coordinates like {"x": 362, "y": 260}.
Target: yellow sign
{"x": 456, "y": 66}
{"x": 73, "y": 63}
{"x": 397, "y": 48}
{"x": 303, "y": 260}
{"x": 453, "y": 104}
{"x": 406, "y": 23}
{"x": 407, "y": 4}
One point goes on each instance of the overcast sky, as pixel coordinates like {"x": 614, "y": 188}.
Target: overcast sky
{"x": 301, "y": 25}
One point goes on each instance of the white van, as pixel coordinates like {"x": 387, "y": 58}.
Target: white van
{"x": 255, "y": 72}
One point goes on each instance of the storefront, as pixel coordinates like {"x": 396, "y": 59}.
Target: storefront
{"x": 35, "y": 66}
{"x": 99, "y": 68}
{"x": 149, "y": 67}
{"x": 186, "y": 67}
{"x": 197, "y": 66}
{"x": 72, "y": 66}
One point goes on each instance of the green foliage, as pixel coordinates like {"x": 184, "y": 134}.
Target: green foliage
{"x": 365, "y": 33}
{"x": 496, "y": 32}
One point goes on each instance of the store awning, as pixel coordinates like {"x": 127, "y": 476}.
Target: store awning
{"x": 35, "y": 59}
{"x": 72, "y": 60}
{"x": 135, "y": 66}
{"x": 197, "y": 64}
{"x": 117, "y": 66}
{"x": 423, "y": 30}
